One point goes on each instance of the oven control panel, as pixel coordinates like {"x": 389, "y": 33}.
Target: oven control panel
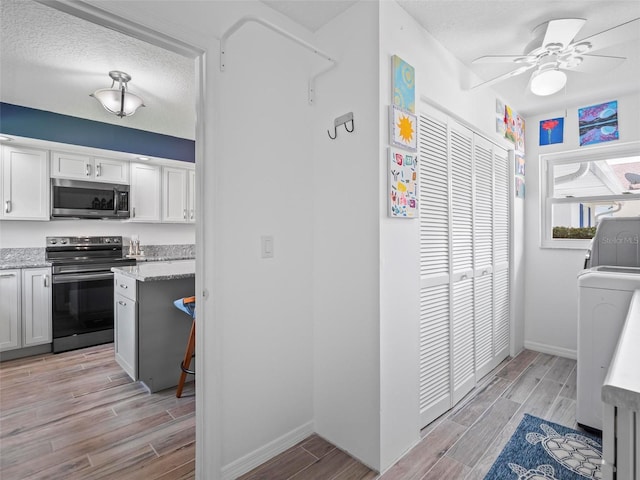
{"x": 82, "y": 241}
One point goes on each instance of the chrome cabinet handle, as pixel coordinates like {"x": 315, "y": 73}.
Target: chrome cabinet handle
{"x": 45, "y": 281}
{"x": 184, "y": 214}
{"x": 134, "y": 212}
{"x": 88, "y": 170}
{"x": 192, "y": 214}
{"x": 120, "y": 302}
{"x": 7, "y": 206}
{"x": 122, "y": 285}
{"x": 98, "y": 170}
{"x": 7, "y": 274}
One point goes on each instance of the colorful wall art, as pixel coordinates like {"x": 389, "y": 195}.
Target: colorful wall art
{"x": 403, "y": 86}
{"x": 404, "y": 128}
{"x": 519, "y": 176}
{"x": 598, "y": 123}
{"x": 551, "y": 131}
{"x": 514, "y": 128}
{"x": 500, "y": 125}
{"x": 403, "y": 184}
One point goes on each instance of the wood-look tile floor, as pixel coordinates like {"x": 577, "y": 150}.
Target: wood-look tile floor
{"x": 464, "y": 442}
{"x": 76, "y": 415}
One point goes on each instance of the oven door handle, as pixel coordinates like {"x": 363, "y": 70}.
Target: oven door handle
{"x": 81, "y": 277}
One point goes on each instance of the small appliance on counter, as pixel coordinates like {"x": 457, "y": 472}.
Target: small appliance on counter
{"x": 82, "y": 289}
{"x": 605, "y": 289}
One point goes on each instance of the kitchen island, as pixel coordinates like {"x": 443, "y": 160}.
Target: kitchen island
{"x": 150, "y": 333}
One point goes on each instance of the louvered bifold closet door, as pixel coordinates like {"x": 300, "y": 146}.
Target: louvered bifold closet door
{"x": 483, "y": 255}
{"x": 501, "y": 232}
{"x": 461, "y": 160}
{"x": 435, "y": 354}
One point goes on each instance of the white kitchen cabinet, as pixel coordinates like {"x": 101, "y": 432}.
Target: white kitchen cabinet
{"x": 126, "y": 333}
{"x": 191, "y": 200}
{"x": 86, "y": 167}
{"x": 10, "y": 324}
{"x": 25, "y": 308}
{"x": 145, "y": 192}
{"x": 24, "y": 184}
{"x": 36, "y": 306}
{"x": 177, "y": 206}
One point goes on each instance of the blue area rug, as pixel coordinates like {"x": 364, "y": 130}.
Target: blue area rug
{"x": 542, "y": 450}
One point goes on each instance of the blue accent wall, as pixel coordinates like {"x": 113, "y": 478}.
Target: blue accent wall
{"x": 43, "y": 125}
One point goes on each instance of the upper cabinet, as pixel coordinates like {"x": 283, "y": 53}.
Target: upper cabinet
{"x": 24, "y": 183}
{"x": 178, "y": 195}
{"x": 90, "y": 168}
{"x": 145, "y": 192}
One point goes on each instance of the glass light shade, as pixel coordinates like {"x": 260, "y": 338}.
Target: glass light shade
{"x": 111, "y": 100}
{"x": 547, "y": 82}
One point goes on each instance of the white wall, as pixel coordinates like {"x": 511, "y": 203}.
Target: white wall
{"x": 551, "y": 306}
{"x": 346, "y": 239}
{"x": 27, "y": 234}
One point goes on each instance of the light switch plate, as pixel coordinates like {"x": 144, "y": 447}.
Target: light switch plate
{"x": 266, "y": 246}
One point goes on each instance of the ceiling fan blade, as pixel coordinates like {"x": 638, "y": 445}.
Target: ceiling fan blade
{"x": 597, "y": 63}
{"x": 614, "y": 36}
{"x": 510, "y": 74}
{"x": 562, "y": 31}
{"x": 504, "y": 59}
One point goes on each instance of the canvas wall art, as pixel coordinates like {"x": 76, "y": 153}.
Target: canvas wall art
{"x": 404, "y": 128}
{"x": 520, "y": 186}
{"x": 519, "y": 134}
{"x": 403, "y": 84}
{"x": 520, "y": 165}
{"x": 403, "y": 184}
{"x": 500, "y": 125}
{"x": 598, "y": 123}
{"x": 551, "y": 131}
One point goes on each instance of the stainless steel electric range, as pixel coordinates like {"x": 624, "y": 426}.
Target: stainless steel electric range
{"x": 82, "y": 284}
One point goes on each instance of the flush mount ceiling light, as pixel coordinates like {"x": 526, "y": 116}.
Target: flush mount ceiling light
{"x": 547, "y": 81}
{"x": 119, "y": 101}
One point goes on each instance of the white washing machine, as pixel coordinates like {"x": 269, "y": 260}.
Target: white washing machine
{"x": 604, "y": 296}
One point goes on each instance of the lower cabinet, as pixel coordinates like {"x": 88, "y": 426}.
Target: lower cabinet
{"x": 150, "y": 333}
{"x": 10, "y": 331}
{"x": 25, "y": 308}
{"x": 126, "y": 334}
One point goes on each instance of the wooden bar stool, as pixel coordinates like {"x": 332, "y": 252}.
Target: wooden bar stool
{"x": 187, "y": 305}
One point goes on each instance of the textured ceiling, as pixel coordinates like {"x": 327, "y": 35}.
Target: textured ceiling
{"x": 473, "y": 28}
{"x": 52, "y": 61}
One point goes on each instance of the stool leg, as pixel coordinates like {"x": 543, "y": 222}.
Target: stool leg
{"x": 186, "y": 362}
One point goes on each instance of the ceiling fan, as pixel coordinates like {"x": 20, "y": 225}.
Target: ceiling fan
{"x": 554, "y": 50}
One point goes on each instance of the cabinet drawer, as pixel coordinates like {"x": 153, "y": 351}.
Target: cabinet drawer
{"x": 125, "y": 286}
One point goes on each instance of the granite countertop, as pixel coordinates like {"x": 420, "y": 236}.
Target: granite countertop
{"x": 14, "y": 258}
{"x": 622, "y": 384}
{"x": 155, "y": 271}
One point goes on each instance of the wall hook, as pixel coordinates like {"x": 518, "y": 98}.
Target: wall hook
{"x": 342, "y": 120}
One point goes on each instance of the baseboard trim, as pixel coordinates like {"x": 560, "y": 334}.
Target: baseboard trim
{"x": 260, "y": 455}
{"x": 551, "y": 349}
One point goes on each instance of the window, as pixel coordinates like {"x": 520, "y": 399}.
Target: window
{"x": 581, "y": 186}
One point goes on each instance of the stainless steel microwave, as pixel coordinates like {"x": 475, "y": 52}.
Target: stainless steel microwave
{"x": 80, "y": 199}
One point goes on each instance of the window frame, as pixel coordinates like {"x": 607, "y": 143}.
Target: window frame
{"x": 590, "y": 154}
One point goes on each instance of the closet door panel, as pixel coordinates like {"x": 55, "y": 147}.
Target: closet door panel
{"x": 501, "y": 235}
{"x": 463, "y": 339}
{"x": 435, "y": 366}
{"x": 435, "y": 328}
{"x": 461, "y": 161}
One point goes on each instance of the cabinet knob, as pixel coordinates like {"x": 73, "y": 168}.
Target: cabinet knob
{"x": 7, "y": 206}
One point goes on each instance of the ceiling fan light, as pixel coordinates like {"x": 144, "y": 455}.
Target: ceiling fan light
{"x": 547, "y": 82}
